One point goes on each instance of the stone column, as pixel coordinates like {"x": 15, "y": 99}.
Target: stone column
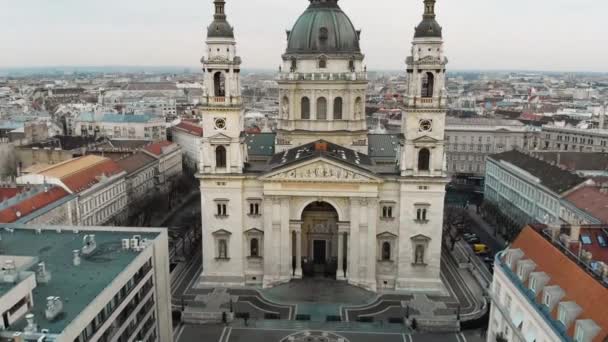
{"x": 296, "y": 226}
{"x": 339, "y": 269}
{"x": 354, "y": 242}
{"x": 343, "y": 228}
{"x": 269, "y": 247}
{"x": 285, "y": 244}
{"x": 372, "y": 218}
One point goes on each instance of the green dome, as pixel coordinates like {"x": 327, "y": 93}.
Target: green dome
{"x": 323, "y": 28}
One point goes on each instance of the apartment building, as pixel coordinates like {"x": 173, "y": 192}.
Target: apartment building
{"x": 470, "y": 140}
{"x": 48, "y": 293}
{"x": 98, "y": 182}
{"x": 557, "y": 138}
{"x": 119, "y": 126}
{"x": 549, "y": 287}
{"x": 528, "y": 189}
{"x": 189, "y": 137}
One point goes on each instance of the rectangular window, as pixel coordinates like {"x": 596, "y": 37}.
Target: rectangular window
{"x": 387, "y": 212}
{"x": 421, "y": 214}
{"x": 561, "y": 316}
{"x": 547, "y": 300}
{"x": 533, "y": 284}
{"x": 222, "y": 210}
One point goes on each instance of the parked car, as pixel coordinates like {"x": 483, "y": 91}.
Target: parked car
{"x": 472, "y": 240}
{"x": 481, "y": 249}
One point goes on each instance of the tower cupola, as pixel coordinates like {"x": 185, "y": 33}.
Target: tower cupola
{"x": 220, "y": 28}
{"x": 429, "y": 27}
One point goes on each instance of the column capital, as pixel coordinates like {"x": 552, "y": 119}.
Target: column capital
{"x": 295, "y": 226}
{"x": 344, "y": 227}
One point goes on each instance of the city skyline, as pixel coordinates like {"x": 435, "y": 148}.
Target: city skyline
{"x": 481, "y": 35}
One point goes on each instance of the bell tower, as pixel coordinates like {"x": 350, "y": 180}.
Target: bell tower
{"x": 223, "y": 150}
{"x": 423, "y": 124}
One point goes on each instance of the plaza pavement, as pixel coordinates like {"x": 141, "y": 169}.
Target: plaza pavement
{"x": 220, "y": 333}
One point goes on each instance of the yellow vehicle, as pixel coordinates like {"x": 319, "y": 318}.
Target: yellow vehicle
{"x": 481, "y": 249}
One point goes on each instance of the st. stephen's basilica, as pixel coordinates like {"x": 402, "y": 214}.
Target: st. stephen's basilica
{"x": 322, "y": 196}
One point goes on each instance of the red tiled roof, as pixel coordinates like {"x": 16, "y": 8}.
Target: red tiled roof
{"x": 157, "y": 148}
{"x": 578, "y": 285}
{"x": 190, "y": 128}
{"x": 591, "y": 200}
{"x": 88, "y": 177}
{"x": 6, "y": 193}
{"x": 31, "y": 204}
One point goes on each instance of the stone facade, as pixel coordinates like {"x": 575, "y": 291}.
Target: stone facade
{"x": 321, "y": 205}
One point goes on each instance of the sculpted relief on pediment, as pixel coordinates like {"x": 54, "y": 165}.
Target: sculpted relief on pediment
{"x": 322, "y": 172}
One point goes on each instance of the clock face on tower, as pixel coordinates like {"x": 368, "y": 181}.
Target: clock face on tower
{"x": 220, "y": 123}
{"x": 426, "y": 125}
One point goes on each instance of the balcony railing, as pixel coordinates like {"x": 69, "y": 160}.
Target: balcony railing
{"x": 426, "y": 100}
{"x": 557, "y": 327}
{"x": 222, "y": 100}
{"x": 322, "y": 76}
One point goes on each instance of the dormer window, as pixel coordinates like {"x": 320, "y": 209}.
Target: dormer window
{"x": 323, "y": 34}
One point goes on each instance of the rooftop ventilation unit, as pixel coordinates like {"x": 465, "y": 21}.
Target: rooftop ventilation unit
{"x": 89, "y": 244}
{"x": 126, "y": 244}
{"x": 76, "y": 258}
{"x": 31, "y": 327}
{"x": 42, "y": 275}
{"x": 54, "y": 306}
{"x": 9, "y": 274}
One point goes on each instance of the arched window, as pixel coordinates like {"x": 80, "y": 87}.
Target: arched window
{"x": 219, "y": 84}
{"x": 321, "y": 108}
{"x": 322, "y": 63}
{"x": 338, "y": 108}
{"x": 254, "y": 249}
{"x": 428, "y": 83}
{"x": 424, "y": 158}
{"x": 305, "y": 110}
{"x": 386, "y": 251}
{"x": 220, "y": 156}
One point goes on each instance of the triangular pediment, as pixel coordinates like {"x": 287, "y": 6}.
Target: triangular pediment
{"x": 420, "y": 238}
{"x": 321, "y": 170}
{"x": 386, "y": 235}
{"x": 253, "y": 231}
{"x": 221, "y": 232}
{"x": 425, "y": 139}
{"x": 220, "y": 138}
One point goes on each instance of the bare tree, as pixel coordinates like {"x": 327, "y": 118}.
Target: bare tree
{"x": 455, "y": 222}
{"x": 8, "y": 161}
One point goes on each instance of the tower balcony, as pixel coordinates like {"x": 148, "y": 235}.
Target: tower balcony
{"x": 221, "y": 101}
{"x": 322, "y": 76}
{"x": 426, "y": 102}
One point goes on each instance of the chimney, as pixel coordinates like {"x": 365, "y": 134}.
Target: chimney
{"x": 76, "y": 259}
{"x": 31, "y": 324}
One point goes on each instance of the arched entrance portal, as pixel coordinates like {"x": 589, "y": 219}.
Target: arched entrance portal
{"x": 319, "y": 240}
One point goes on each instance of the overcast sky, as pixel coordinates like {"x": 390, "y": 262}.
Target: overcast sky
{"x": 564, "y": 35}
